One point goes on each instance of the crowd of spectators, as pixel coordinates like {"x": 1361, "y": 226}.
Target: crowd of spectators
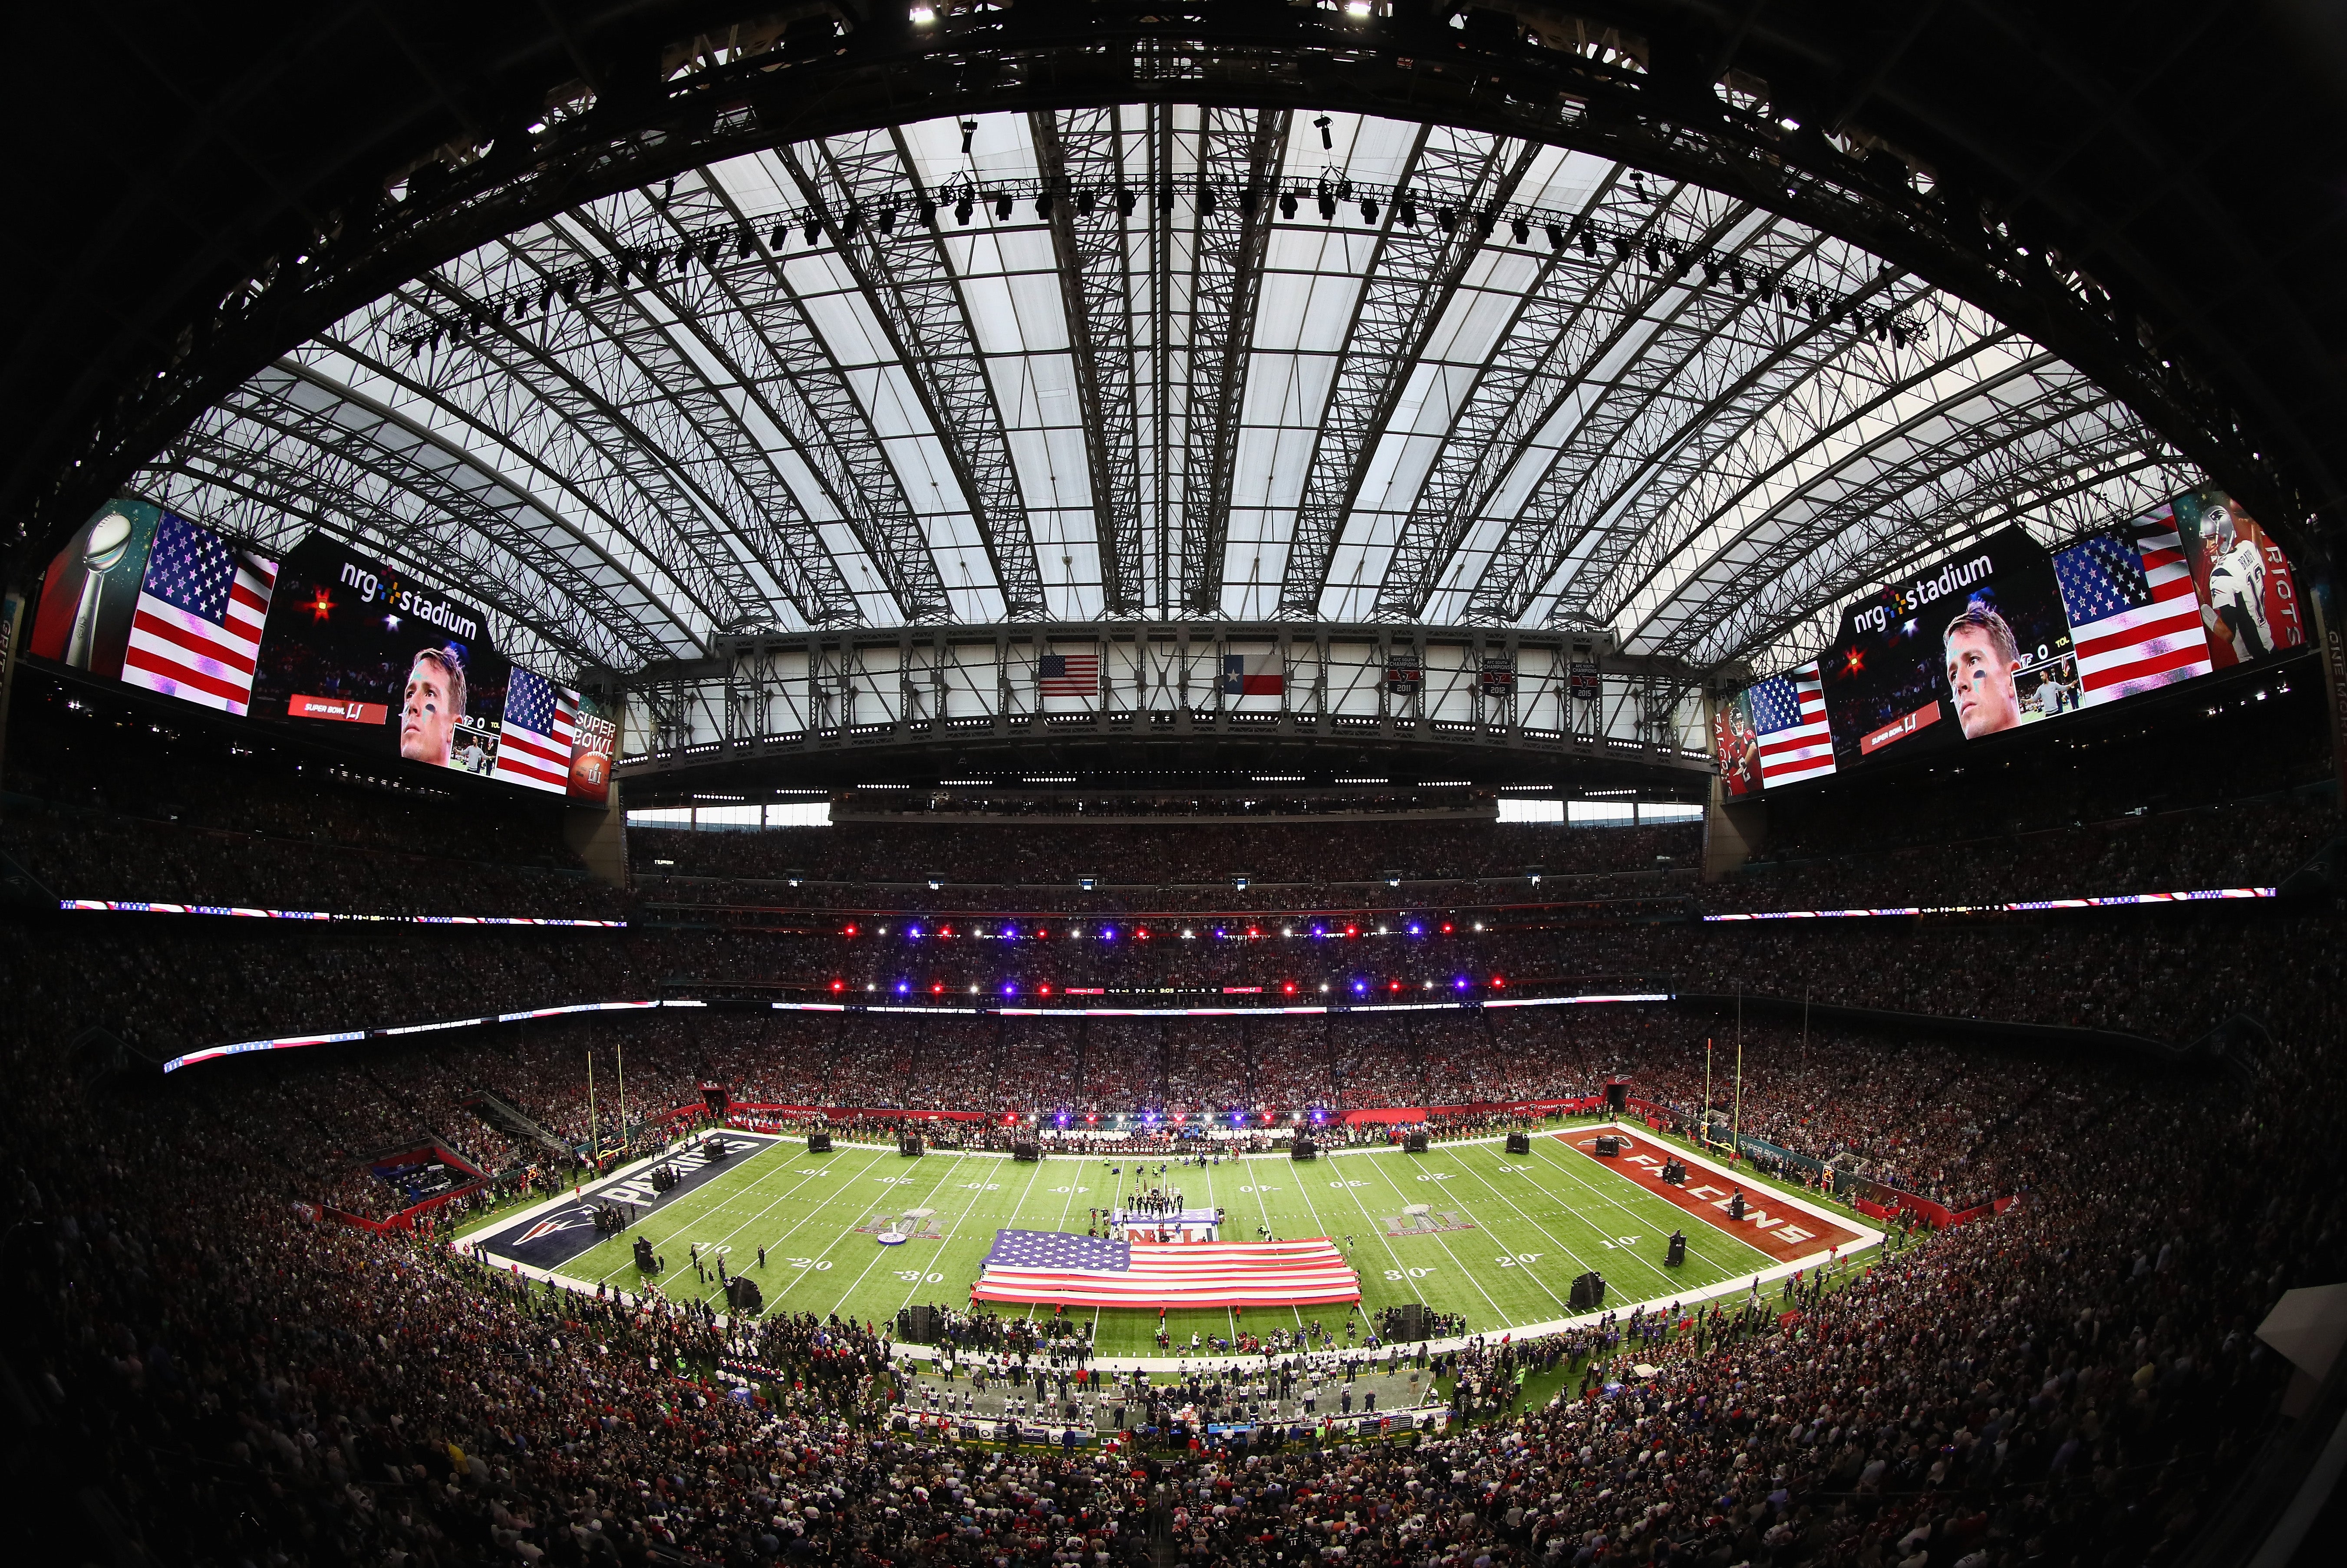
{"x": 2247, "y": 844}
{"x": 237, "y": 1380}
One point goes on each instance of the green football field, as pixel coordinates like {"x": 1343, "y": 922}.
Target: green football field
{"x": 1525, "y": 1225}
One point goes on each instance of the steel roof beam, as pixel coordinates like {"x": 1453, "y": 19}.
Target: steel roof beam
{"x": 736, "y": 300}
{"x": 1411, "y": 275}
{"x": 909, "y": 282}
{"x": 1934, "y": 494}
{"x": 1543, "y": 348}
{"x": 727, "y": 465}
{"x": 1081, "y": 150}
{"x": 605, "y": 365}
{"x": 1238, "y": 151}
{"x": 1767, "y": 424}
{"x": 290, "y": 452}
{"x": 1647, "y": 392}
{"x": 528, "y": 395}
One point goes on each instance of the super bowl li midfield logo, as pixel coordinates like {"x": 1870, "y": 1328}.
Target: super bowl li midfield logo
{"x": 895, "y": 1225}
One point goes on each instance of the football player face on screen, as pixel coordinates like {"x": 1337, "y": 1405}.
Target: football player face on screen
{"x": 1982, "y": 660}
{"x": 434, "y": 701}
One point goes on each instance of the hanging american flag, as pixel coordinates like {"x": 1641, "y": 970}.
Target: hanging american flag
{"x": 196, "y": 633}
{"x": 1069, "y": 674}
{"x": 1788, "y": 715}
{"x": 2135, "y": 621}
{"x": 1056, "y": 1267}
{"x": 534, "y": 738}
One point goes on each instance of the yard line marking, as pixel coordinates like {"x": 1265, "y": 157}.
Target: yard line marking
{"x": 1363, "y": 1202}
{"x": 1543, "y": 1230}
{"x": 709, "y": 1199}
{"x": 881, "y": 1252}
{"x": 953, "y": 1234}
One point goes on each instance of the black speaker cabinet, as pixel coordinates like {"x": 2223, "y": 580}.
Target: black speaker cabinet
{"x": 1608, "y": 1148}
{"x": 1413, "y": 1144}
{"x": 908, "y": 1143}
{"x": 1588, "y": 1292}
{"x": 1304, "y": 1149}
{"x": 1676, "y": 1256}
{"x": 1030, "y": 1152}
{"x": 1520, "y": 1143}
{"x": 818, "y": 1142}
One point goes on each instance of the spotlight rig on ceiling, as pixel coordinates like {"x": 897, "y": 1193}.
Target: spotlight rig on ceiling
{"x": 643, "y": 255}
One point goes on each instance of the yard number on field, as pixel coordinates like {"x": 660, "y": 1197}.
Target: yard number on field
{"x": 1409, "y": 1272}
{"x": 1510, "y": 1260}
{"x": 1621, "y": 1242}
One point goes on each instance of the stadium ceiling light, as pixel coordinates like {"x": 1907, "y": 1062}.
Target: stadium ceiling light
{"x": 1327, "y": 141}
{"x": 923, "y": 16}
{"x": 969, "y": 130}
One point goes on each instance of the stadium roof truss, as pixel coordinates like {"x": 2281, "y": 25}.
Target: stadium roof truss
{"x": 1160, "y": 361}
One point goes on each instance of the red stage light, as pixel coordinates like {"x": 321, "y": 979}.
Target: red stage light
{"x": 1043, "y": 990}
{"x": 1497, "y": 982}
{"x": 936, "y": 990}
{"x": 1352, "y": 930}
{"x": 839, "y": 985}
{"x": 1393, "y": 985}
{"x": 1289, "y": 987}
{"x": 850, "y": 930}
{"x": 1446, "y": 927}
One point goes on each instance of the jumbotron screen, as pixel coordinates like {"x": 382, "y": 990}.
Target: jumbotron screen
{"x": 326, "y": 639}
{"x": 2005, "y": 634}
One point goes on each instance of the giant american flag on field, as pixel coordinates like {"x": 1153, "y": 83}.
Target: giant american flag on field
{"x": 1788, "y": 715}
{"x": 2134, "y": 620}
{"x": 1057, "y": 1266}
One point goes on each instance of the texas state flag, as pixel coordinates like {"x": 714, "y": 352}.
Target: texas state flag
{"x": 1254, "y": 675}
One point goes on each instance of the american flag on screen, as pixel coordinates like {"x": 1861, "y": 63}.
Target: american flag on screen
{"x": 197, "y": 629}
{"x": 534, "y": 738}
{"x": 2135, "y": 621}
{"x": 1056, "y": 1267}
{"x": 1788, "y": 714}
{"x": 1068, "y": 674}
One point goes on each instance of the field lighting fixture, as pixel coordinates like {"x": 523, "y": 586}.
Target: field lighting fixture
{"x": 923, "y": 15}
{"x": 1327, "y": 142}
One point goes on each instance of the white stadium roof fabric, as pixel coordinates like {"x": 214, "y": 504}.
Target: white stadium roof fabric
{"x": 1163, "y": 362}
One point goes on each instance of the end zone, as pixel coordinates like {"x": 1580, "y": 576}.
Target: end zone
{"x": 1784, "y": 1228}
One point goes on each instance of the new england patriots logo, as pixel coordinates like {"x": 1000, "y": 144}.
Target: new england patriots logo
{"x": 561, "y": 1220}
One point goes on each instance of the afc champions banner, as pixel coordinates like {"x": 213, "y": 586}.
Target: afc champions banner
{"x": 327, "y": 640}
{"x": 2005, "y": 634}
